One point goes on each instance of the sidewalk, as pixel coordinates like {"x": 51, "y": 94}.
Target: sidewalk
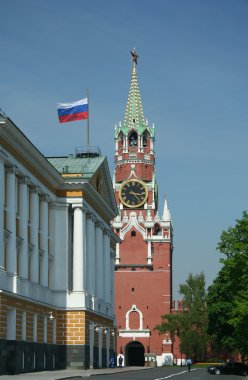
{"x": 69, "y": 373}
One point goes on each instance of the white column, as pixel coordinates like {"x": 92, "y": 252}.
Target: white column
{"x": 93, "y": 219}
{"x": 11, "y": 221}
{"x": 2, "y": 197}
{"x": 53, "y": 235}
{"x": 106, "y": 244}
{"x": 126, "y": 143}
{"x": 108, "y": 337}
{"x": 23, "y": 228}
{"x": 90, "y": 254}
{"x": 44, "y": 240}
{"x": 117, "y": 253}
{"x": 99, "y": 260}
{"x": 149, "y": 253}
{"x": 112, "y": 276}
{"x": 58, "y": 214}
{"x": 34, "y": 236}
{"x": 100, "y": 348}
{"x": 79, "y": 254}
{"x": 92, "y": 339}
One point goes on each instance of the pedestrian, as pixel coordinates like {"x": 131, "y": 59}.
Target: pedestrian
{"x": 120, "y": 361}
{"x": 188, "y": 363}
{"x": 112, "y": 362}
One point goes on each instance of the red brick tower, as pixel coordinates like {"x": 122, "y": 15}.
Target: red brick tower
{"x": 143, "y": 270}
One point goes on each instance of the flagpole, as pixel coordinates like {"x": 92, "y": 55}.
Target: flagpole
{"x": 88, "y": 123}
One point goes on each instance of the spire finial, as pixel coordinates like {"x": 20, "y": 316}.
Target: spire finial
{"x": 134, "y": 56}
{"x": 166, "y": 214}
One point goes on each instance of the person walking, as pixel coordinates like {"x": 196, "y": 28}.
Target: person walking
{"x": 120, "y": 361}
{"x": 189, "y": 363}
{"x": 112, "y": 362}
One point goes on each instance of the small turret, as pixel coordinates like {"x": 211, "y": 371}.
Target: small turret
{"x": 166, "y": 217}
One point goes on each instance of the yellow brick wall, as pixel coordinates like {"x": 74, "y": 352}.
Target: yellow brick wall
{"x": 30, "y": 309}
{"x": 72, "y": 326}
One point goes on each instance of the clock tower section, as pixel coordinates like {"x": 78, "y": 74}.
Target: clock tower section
{"x": 143, "y": 263}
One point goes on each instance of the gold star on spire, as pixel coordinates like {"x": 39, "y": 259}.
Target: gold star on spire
{"x": 134, "y": 56}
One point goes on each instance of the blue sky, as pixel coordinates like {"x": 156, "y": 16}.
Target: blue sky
{"x": 193, "y": 80}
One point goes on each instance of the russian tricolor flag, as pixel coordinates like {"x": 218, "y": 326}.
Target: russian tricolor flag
{"x": 73, "y": 111}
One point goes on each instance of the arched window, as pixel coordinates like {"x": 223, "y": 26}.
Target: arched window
{"x": 133, "y": 233}
{"x": 145, "y": 138}
{"x": 157, "y": 230}
{"x": 133, "y": 139}
{"x": 120, "y": 140}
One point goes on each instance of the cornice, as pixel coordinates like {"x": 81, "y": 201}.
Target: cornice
{"x": 20, "y": 147}
{"x": 135, "y": 161}
{"x": 98, "y": 203}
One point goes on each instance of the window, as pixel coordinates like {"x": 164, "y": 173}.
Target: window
{"x": 54, "y": 331}
{"x": 23, "y": 359}
{"x": 54, "y": 360}
{"x": 157, "y": 230}
{"x": 35, "y": 360}
{"x": 45, "y": 330}
{"x": 35, "y": 327}
{"x": 133, "y": 139}
{"x": 24, "y": 325}
{"x": 133, "y": 233}
{"x": 11, "y": 324}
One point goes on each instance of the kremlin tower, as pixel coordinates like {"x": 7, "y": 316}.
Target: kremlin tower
{"x": 143, "y": 264}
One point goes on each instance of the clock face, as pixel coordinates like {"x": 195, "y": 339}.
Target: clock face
{"x": 133, "y": 193}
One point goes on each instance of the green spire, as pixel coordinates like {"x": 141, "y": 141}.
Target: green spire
{"x": 134, "y": 116}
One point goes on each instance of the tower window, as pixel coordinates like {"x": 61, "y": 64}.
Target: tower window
{"x": 133, "y": 233}
{"x": 133, "y": 139}
{"x": 157, "y": 230}
{"x": 132, "y": 290}
{"x": 133, "y": 120}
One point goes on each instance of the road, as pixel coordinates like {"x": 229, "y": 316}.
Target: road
{"x": 164, "y": 374}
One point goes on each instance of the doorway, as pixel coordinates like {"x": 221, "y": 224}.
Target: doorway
{"x": 134, "y": 354}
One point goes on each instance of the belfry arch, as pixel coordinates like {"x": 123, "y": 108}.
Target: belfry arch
{"x": 135, "y": 354}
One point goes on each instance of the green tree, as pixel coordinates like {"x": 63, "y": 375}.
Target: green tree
{"x": 190, "y": 324}
{"x": 227, "y": 297}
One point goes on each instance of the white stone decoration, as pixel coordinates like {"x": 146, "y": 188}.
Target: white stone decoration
{"x": 132, "y": 222}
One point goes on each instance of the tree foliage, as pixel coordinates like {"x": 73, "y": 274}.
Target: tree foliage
{"x": 227, "y": 298}
{"x": 191, "y": 323}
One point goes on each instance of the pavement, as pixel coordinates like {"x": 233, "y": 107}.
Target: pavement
{"x": 69, "y": 373}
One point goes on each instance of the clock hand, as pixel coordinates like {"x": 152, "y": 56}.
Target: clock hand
{"x": 135, "y": 194}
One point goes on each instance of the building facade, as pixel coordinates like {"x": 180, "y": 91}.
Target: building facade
{"x": 57, "y": 253}
{"x": 143, "y": 266}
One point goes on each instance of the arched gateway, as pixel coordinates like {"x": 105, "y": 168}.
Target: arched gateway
{"x": 134, "y": 354}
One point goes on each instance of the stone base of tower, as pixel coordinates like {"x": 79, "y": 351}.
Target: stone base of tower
{"x": 145, "y": 351}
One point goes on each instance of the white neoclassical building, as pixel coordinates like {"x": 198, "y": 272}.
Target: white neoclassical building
{"x": 57, "y": 254}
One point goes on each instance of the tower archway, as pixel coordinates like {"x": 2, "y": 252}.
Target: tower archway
{"x": 135, "y": 354}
